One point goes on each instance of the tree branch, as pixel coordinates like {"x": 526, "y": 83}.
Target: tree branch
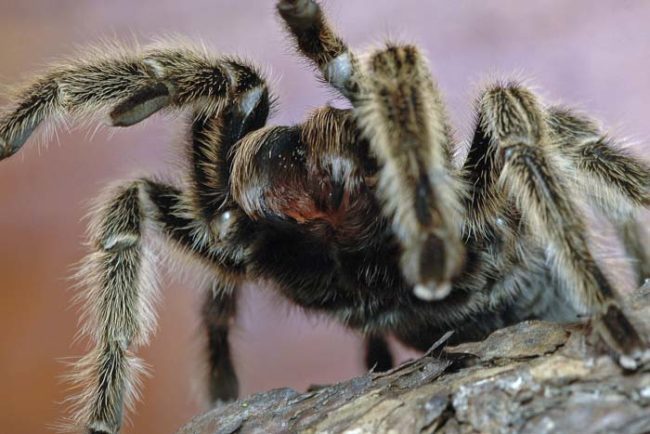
{"x": 534, "y": 377}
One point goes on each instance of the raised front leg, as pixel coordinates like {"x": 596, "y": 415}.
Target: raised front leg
{"x": 317, "y": 40}
{"x": 400, "y": 112}
{"x": 403, "y": 117}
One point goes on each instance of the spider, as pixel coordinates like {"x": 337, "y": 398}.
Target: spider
{"x": 361, "y": 213}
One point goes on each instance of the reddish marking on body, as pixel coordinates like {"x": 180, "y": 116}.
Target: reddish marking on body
{"x": 299, "y": 203}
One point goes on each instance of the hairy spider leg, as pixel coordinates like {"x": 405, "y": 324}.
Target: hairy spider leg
{"x": 615, "y": 181}
{"x": 400, "y": 112}
{"x": 514, "y": 121}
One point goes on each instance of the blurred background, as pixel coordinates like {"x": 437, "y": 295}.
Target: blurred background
{"x": 595, "y": 55}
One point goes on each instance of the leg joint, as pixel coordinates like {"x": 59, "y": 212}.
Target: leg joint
{"x": 512, "y": 114}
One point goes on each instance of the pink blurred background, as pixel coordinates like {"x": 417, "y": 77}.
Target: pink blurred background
{"x": 595, "y": 55}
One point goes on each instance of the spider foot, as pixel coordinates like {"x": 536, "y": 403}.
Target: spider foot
{"x": 225, "y": 389}
{"x": 5, "y": 150}
{"x": 622, "y": 338}
{"x": 432, "y": 264}
{"x": 298, "y": 13}
{"x": 101, "y": 428}
{"x": 11, "y": 146}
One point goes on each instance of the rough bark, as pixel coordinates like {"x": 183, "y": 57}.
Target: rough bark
{"x": 534, "y": 377}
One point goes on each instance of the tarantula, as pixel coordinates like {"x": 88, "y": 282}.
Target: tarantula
{"x": 359, "y": 213}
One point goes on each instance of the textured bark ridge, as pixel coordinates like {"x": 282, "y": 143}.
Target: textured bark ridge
{"x": 534, "y": 377}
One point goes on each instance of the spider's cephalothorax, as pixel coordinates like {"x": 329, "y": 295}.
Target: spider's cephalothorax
{"x": 358, "y": 213}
